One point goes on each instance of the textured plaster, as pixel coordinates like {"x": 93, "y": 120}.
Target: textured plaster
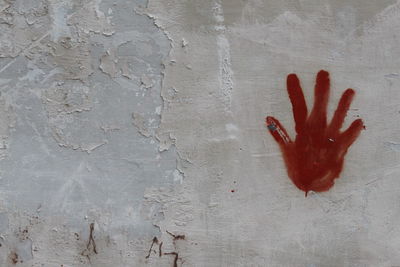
{"x": 129, "y": 127}
{"x": 72, "y": 73}
{"x": 244, "y": 211}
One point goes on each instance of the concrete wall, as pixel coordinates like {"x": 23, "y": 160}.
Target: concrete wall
{"x": 132, "y": 133}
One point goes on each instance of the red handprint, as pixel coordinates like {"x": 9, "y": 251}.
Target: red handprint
{"x": 316, "y": 156}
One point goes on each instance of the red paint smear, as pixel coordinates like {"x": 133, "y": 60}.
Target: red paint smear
{"x": 315, "y": 159}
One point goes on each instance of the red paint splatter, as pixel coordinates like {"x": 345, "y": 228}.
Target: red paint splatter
{"x": 315, "y": 159}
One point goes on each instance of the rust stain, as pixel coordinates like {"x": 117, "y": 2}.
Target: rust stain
{"x": 155, "y": 241}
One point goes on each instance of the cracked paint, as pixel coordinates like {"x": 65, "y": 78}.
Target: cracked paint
{"x": 71, "y": 76}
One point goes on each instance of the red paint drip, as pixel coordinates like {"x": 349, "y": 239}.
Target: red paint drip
{"x": 315, "y": 159}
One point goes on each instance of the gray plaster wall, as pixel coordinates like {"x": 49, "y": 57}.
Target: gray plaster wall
{"x": 80, "y": 106}
{"x": 132, "y": 133}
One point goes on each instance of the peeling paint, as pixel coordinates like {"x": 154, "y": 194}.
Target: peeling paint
{"x": 108, "y": 63}
{"x": 146, "y": 81}
{"x": 63, "y": 105}
{"x": 140, "y": 123}
{"x": 73, "y": 56}
{"x": 7, "y": 121}
{"x": 71, "y": 75}
{"x": 89, "y": 18}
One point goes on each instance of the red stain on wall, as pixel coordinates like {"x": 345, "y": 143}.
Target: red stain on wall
{"x": 315, "y": 158}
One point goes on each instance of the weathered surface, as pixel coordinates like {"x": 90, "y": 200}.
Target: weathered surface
{"x": 71, "y": 76}
{"x": 129, "y": 127}
{"x": 243, "y": 209}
